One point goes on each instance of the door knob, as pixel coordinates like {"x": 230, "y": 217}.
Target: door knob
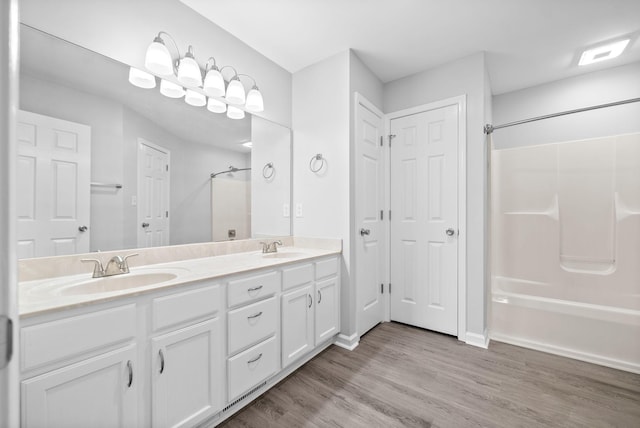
{"x": 364, "y": 232}
{"x": 145, "y": 225}
{"x": 450, "y": 232}
{"x": 83, "y": 228}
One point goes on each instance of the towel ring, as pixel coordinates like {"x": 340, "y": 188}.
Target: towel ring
{"x": 314, "y": 160}
{"x": 268, "y": 170}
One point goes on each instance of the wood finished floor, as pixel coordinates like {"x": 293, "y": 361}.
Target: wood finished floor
{"x": 400, "y": 376}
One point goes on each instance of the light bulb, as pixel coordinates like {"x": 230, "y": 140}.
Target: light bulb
{"x": 170, "y": 89}
{"x": 214, "y": 83}
{"x": 141, "y": 79}
{"x": 216, "y": 106}
{"x": 189, "y": 70}
{"x": 235, "y": 92}
{"x": 194, "y": 98}
{"x": 254, "y": 100}
{"x": 158, "y": 59}
{"x": 234, "y": 113}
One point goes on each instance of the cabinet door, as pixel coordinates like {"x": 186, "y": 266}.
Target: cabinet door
{"x": 186, "y": 374}
{"x": 327, "y": 309}
{"x": 297, "y": 324}
{"x": 97, "y": 392}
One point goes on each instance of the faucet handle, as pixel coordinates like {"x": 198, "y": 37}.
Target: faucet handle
{"x": 124, "y": 266}
{"x": 98, "y": 270}
{"x": 265, "y": 246}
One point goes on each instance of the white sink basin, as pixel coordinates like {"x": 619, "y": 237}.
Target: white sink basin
{"x": 283, "y": 255}
{"x": 81, "y": 285}
{"x": 115, "y": 283}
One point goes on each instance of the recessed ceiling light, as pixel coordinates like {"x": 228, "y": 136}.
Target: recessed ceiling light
{"x": 248, "y": 144}
{"x": 602, "y": 53}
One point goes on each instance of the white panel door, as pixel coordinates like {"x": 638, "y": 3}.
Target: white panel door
{"x": 153, "y": 195}
{"x": 424, "y": 223}
{"x": 297, "y": 324}
{"x": 186, "y": 375}
{"x": 53, "y": 193}
{"x": 98, "y": 392}
{"x": 370, "y": 234}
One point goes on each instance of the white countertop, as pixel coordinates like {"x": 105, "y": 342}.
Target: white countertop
{"x": 47, "y": 295}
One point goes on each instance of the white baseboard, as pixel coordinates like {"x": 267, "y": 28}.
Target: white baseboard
{"x": 479, "y": 340}
{"x": 569, "y": 353}
{"x": 347, "y": 342}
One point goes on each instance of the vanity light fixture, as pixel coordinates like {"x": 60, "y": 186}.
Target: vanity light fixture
{"x": 195, "y": 98}
{"x": 234, "y": 112}
{"x": 604, "y": 52}
{"x": 170, "y": 89}
{"x": 141, "y": 79}
{"x": 216, "y": 106}
{"x": 186, "y": 71}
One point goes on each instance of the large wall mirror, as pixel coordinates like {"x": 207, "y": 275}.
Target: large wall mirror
{"x": 105, "y": 165}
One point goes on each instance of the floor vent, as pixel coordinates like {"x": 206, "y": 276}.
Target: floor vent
{"x": 242, "y": 397}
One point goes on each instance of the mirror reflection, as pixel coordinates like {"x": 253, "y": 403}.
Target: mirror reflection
{"x": 105, "y": 165}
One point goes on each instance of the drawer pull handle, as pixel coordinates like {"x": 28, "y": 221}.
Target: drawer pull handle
{"x": 255, "y": 359}
{"x": 319, "y": 297}
{"x": 161, "y": 361}
{"x": 254, "y": 315}
{"x": 130, "y": 367}
{"x": 310, "y": 300}
{"x": 254, "y": 289}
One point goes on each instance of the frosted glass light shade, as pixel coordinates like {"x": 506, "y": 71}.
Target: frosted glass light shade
{"x": 158, "y": 59}
{"x": 234, "y": 113}
{"x": 235, "y": 92}
{"x": 141, "y": 79}
{"x": 214, "y": 83}
{"x": 255, "y": 102}
{"x": 195, "y": 98}
{"x": 170, "y": 89}
{"x": 216, "y": 106}
{"x": 189, "y": 72}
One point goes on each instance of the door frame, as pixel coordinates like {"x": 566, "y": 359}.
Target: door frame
{"x": 141, "y": 141}
{"x": 461, "y": 102}
{"x": 361, "y": 100}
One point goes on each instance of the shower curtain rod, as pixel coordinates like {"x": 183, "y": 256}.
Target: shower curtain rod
{"x": 231, "y": 169}
{"x": 488, "y": 128}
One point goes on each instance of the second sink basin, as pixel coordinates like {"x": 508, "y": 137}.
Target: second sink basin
{"x": 114, "y": 283}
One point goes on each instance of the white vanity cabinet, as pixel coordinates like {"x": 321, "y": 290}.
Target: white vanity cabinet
{"x": 252, "y": 331}
{"x": 186, "y": 362}
{"x": 310, "y": 307}
{"x": 81, "y": 370}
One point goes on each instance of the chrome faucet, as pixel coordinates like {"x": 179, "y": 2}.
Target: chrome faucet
{"x": 270, "y": 247}
{"x": 116, "y": 266}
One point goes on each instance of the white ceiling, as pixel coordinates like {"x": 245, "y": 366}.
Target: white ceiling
{"x": 527, "y": 42}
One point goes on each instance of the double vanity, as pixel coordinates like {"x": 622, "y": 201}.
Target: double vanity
{"x": 188, "y": 336}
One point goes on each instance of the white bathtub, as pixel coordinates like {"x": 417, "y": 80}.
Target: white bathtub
{"x": 566, "y": 249}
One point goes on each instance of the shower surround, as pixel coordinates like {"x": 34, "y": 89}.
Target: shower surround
{"x": 566, "y": 249}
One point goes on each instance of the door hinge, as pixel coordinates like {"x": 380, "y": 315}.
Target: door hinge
{"x": 381, "y": 288}
{"x": 166, "y": 214}
{"x": 381, "y": 214}
{"x": 389, "y": 288}
{"x": 391, "y": 137}
{"x": 389, "y": 215}
{"x": 167, "y": 168}
{"x": 381, "y": 140}
{"x": 6, "y": 340}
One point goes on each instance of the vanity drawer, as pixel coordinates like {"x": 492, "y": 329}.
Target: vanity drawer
{"x": 251, "y": 367}
{"x": 252, "y": 323}
{"x": 179, "y": 308}
{"x": 71, "y": 337}
{"x": 256, "y": 287}
{"x": 325, "y": 268}
{"x": 296, "y": 276}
